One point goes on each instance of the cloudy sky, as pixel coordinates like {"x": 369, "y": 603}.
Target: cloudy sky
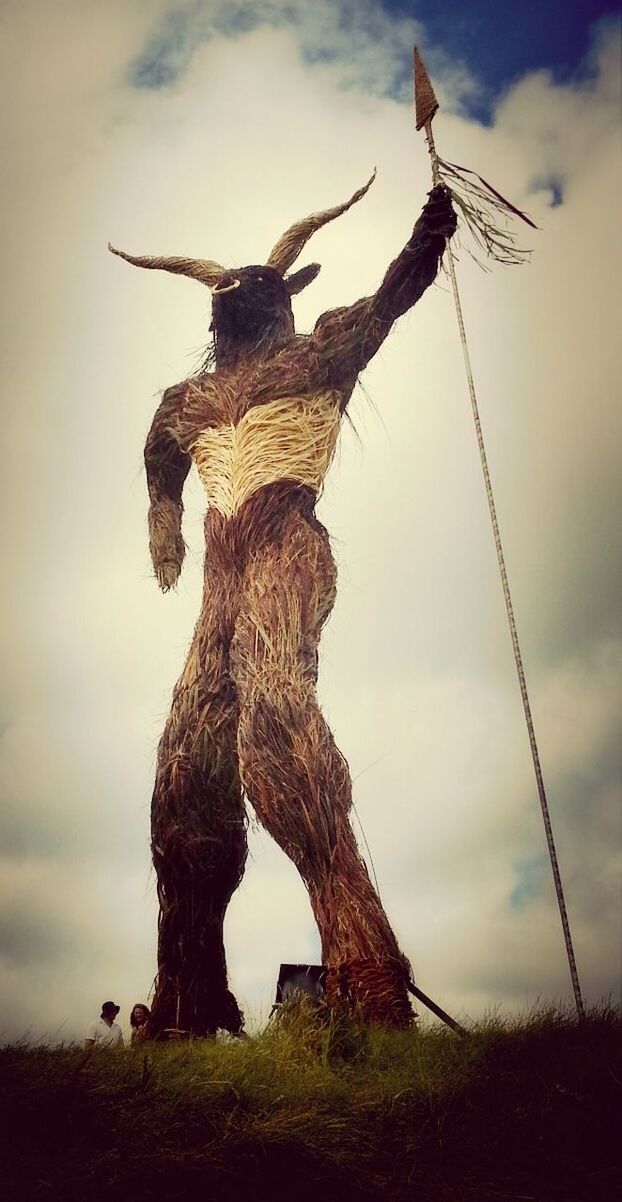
{"x": 206, "y": 127}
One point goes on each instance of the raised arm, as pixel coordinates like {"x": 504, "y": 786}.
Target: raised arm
{"x": 167, "y": 467}
{"x": 346, "y": 339}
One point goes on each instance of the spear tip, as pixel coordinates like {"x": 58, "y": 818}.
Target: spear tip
{"x": 426, "y": 103}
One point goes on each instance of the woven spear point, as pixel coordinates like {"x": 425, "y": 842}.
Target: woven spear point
{"x": 485, "y": 212}
{"x": 426, "y": 103}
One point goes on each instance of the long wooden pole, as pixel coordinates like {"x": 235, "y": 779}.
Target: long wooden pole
{"x": 518, "y": 659}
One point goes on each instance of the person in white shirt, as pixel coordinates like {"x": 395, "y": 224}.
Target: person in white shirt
{"x": 106, "y": 1033}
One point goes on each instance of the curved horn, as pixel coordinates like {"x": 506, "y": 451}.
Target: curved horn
{"x": 203, "y": 270}
{"x": 290, "y": 245}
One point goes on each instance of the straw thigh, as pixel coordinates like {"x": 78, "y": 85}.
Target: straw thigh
{"x": 294, "y": 775}
{"x": 199, "y": 828}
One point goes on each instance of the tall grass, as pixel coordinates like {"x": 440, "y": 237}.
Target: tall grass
{"x": 518, "y": 1110}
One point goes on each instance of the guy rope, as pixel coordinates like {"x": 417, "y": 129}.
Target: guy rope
{"x": 481, "y": 205}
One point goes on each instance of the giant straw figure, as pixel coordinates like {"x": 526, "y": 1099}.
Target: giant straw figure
{"x": 261, "y": 428}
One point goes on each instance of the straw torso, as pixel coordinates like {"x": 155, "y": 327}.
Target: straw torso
{"x": 292, "y": 438}
{"x": 262, "y": 436}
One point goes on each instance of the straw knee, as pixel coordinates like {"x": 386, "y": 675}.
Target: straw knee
{"x": 198, "y": 818}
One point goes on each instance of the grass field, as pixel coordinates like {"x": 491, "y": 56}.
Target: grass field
{"x": 520, "y": 1111}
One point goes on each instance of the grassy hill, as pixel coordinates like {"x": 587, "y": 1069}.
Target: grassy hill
{"x": 524, "y": 1111}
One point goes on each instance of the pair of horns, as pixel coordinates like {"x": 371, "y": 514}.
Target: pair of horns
{"x": 281, "y": 258}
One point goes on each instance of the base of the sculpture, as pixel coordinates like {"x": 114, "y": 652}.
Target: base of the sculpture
{"x": 176, "y": 1015}
{"x": 366, "y": 990}
{"x": 375, "y": 990}
{"x": 369, "y": 990}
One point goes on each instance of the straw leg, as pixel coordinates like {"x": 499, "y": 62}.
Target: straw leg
{"x": 296, "y": 778}
{"x": 198, "y": 836}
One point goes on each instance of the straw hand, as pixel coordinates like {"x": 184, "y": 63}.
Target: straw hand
{"x": 167, "y": 575}
{"x": 439, "y": 214}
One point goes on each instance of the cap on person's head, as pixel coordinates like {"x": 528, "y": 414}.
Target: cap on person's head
{"x": 110, "y": 1008}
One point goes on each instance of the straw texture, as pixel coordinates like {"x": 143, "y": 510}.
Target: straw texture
{"x": 203, "y": 270}
{"x": 296, "y": 778}
{"x": 294, "y": 437}
{"x": 245, "y": 719}
{"x": 198, "y": 830}
{"x": 284, "y": 254}
{"x": 426, "y": 103}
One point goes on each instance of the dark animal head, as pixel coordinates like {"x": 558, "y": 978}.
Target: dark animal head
{"x": 251, "y": 305}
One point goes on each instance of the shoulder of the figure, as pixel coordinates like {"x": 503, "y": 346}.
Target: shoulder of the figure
{"x": 176, "y": 392}
{"x": 329, "y": 321}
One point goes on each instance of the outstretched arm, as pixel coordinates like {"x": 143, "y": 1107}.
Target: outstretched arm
{"x": 167, "y": 467}
{"x": 348, "y": 338}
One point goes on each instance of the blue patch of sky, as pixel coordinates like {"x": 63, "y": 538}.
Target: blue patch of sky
{"x": 497, "y": 42}
{"x": 231, "y": 18}
{"x": 500, "y": 42}
{"x": 551, "y": 183}
{"x": 167, "y": 53}
{"x": 531, "y": 875}
{"x": 557, "y": 194}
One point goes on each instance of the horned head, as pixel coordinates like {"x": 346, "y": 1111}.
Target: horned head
{"x": 249, "y": 297}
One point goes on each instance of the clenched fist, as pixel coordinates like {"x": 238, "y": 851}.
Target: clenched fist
{"x": 439, "y": 212}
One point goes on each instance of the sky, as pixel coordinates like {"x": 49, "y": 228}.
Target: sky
{"x": 206, "y": 128}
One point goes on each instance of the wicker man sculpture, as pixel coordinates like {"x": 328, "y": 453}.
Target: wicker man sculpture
{"x": 261, "y": 428}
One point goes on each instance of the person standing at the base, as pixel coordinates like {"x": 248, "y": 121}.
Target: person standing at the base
{"x": 106, "y": 1033}
{"x": 139, "y": 1019}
